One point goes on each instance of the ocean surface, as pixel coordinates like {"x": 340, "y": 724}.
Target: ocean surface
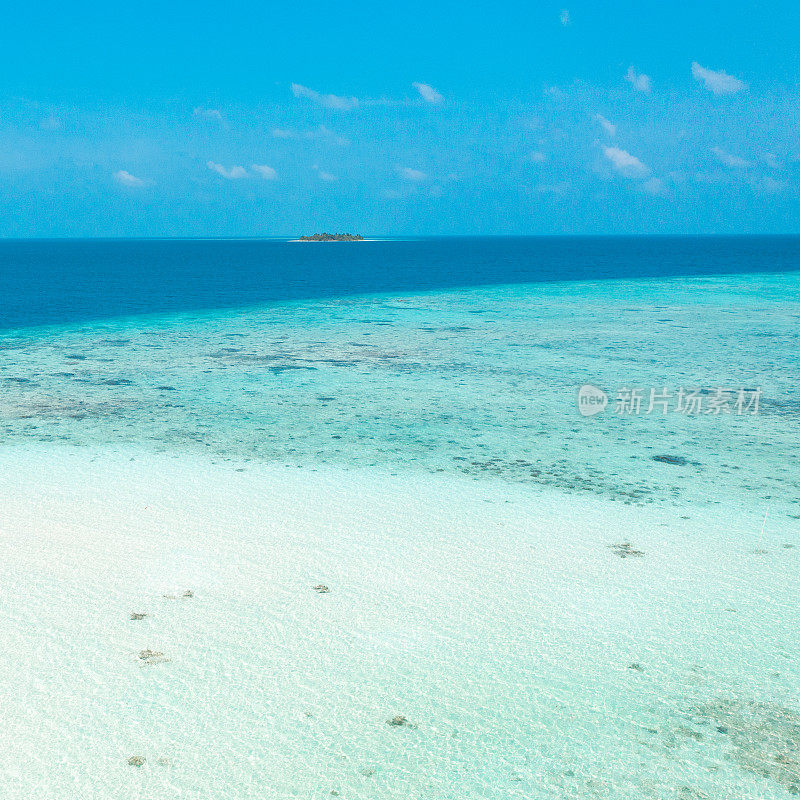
{"x": 552, "y": 604}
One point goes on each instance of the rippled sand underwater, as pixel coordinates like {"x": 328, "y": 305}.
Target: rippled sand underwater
{"x": 541, "y": 608}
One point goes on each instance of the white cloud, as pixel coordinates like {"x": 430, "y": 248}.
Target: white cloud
{"x": 415, "y": 175}
{"x": 624, "y": 163}
{"x": 609, "y": 127}
{"x": 564, "y": 17}
{"x": 728, "y": 159}
{"x": 326, "y": 100}
{"x": 771, "y": 161}
{"x": 767, "y": 185}
{"x": 231, "y": 174}
{"x": 555, "y": 189}
{"x": 126, "y": 179}
{"x": 323, "y": 175}
{"x": 536, "y": 157}
{"x": 429, "y": 94}
{"x": 320, "y": 133}
{"x": 50, "y": 124}
{"x": 213, "y": 113}
{"x": 718, "y": 82}
{"x": 638, "y": 80}
{"x": 267, "y": 173}
{"x": 654, "y": 186}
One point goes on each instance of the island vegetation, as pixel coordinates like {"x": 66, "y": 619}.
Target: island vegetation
{"x": 333, "y": 237}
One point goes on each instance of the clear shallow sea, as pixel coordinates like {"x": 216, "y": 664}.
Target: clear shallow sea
{"x": 228, "y": 417}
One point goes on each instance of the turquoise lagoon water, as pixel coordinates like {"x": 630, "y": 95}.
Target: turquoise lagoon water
{"x": 554, "y": 611}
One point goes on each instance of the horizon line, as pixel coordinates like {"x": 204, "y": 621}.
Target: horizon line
{"x": 400, "y": 237}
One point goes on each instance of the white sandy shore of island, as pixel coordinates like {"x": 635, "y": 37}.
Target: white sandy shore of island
{"x": 493, "y": 617}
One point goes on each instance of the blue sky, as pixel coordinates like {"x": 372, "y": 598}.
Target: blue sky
{"x": 188, "y": 119}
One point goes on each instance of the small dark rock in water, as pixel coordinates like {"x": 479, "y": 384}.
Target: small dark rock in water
{"x": 321, "y": 588}
{"x": 188, "y": 593}
{"x": 625, "y": 549}
{"x": 638, "y": 667}
{"x": 397, "y": 721}
{"x": 686, "y": 731}
{"x": 722, "y": 729}
{"x": 687, "y": 793}
{"x": 138, "y": 615}
{"x": 136, "y": 761}
{"x": 678, "y": 461}
{"x": 152, "y": 657}
{"x": 788, "y": 546}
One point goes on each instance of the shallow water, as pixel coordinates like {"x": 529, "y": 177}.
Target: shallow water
{"x": 479, "y": 382}
{"x": 554, "y": 611}
{"x": 528, "y": 658}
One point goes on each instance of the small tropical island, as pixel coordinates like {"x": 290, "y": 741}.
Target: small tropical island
{"x": 333, "y": 237}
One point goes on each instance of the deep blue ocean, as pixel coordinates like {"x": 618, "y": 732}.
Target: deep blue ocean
{"x": 52, "y": 282}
